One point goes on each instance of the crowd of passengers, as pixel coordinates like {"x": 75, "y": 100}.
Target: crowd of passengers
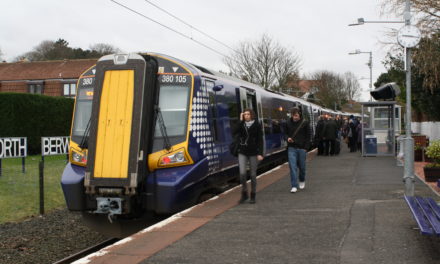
{"x": 248, "y": 145}
{"x": 332, "y": 131}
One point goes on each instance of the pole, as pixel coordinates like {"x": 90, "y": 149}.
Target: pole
{"x": 41, "y": 185}
{"x": 408, "y": 176}
{"x": 371, "y": 74}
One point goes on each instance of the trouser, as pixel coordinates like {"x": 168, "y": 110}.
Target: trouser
{"x": 352, "y": 143}
{"x": 297, "y": 160}
{"x": 330, "y": 146}
{"x": 243, "y": 160}
{"x": 321, "y": 146}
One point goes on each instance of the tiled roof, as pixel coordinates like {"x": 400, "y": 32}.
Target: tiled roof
{"x": 43, "y": 70}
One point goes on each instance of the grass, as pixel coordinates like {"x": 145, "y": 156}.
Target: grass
{"x": 19, "y": 192}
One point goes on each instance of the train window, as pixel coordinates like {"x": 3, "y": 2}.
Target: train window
{"x": 267, "y": 126}
{"x": 173, "y": 103}
{"x": 213, "y": 108}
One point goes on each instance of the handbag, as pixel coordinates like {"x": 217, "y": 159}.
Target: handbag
{"x": 233, "y": 147}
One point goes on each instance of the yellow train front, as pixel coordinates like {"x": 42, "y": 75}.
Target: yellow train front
{"x": 131, "y": 149}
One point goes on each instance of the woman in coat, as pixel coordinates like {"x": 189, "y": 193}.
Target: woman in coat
{"x": 250, "y": 135}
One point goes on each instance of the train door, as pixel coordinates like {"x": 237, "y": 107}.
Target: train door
{"x": 249, "y": 98}
{"x": 124, "y": 93}
{"x": 213, "y": 149}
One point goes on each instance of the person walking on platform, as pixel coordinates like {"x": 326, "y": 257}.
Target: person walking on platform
{"x": 352, "y": 134}
{"x": 298, "y": 138}
{"x": 250, "y": 151}
{"x": 330, "y": 133}
{"x": 319, "y": 136}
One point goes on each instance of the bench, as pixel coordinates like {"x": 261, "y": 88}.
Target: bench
{"x": 426, "y": 212}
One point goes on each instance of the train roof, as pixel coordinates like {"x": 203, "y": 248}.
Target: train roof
{"x": 203, "y": 71}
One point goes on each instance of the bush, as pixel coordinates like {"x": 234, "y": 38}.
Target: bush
{"x": 34, "y": 116}
{"x": 433, "y": 152}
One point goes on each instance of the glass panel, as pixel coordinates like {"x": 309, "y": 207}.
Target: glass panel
{"x": 173, "y": 102}
{"x": 66, "y": 89}
{"x": 72, "y": 88}
{"x": 83, "y": 110}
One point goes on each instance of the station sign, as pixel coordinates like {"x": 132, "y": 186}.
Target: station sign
{"x": 13, "y": 147}
{"x": 54, "y": 146}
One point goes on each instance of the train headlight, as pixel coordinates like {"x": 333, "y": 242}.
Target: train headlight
{"x": 79, "y": 158}
{"x": 173, "y": 158}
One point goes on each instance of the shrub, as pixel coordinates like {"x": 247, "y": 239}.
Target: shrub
{"x": 34, "y": 116}
{"x": 433, "y": 152}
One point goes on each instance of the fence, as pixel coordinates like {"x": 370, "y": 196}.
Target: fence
{"x": 28, "y": 184}
{"x": 430, "y": 129}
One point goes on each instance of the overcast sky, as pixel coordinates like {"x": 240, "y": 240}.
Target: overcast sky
{"x": 317, "y": 30}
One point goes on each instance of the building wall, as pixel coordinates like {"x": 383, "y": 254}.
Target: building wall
{"x": 53, "y": 88}
{"x": 50, "y": 87}
{"x": 14, "y": 87}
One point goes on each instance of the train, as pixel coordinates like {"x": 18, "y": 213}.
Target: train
{"x": 151, "y": 134}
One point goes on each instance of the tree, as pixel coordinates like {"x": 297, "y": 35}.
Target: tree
{"x": 103, "y": 49}
{"x": 424, "y": 102}
{"x": 59, "y": 50}
{"x": 264, "y": 62}
{"x": 427, "y": 12}
{"x": 352, "y": 88}
{"x": 426, "y": 60}
{"x": 332, "y": 89}
{"x": 427, "y": 56}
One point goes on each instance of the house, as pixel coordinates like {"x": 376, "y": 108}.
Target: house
{"x": 53, "y": 78}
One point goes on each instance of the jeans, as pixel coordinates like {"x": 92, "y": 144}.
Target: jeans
{"x": 253, "y": 163}
{"x": 297, "y": 160}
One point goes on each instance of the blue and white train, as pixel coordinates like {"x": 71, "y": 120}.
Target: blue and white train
{"x": 150, "y": 133}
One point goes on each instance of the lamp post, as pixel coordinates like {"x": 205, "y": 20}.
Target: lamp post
{"x": 370, "y": 65}
{"x": 361, "y": 21}
{"x": 408, "y": 37}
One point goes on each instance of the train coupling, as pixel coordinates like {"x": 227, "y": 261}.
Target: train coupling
{"x": 110, "y": 206}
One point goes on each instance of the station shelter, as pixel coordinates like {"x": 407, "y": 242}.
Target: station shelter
{"x": 381, "y": 124}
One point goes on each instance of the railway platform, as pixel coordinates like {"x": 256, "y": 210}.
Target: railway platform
{"x": 351, "y": 211}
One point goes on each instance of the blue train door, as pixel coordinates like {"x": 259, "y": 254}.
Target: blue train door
{"x": 249, "y": 98}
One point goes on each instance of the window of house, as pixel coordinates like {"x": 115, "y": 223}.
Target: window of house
{"x": 69, "y": 89}
{"x": 35, "y": 88}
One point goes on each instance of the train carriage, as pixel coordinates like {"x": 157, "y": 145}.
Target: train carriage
{"x": 150, "y": 133}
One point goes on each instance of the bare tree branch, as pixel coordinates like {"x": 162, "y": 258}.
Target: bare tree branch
{"x": 264, "y": 62}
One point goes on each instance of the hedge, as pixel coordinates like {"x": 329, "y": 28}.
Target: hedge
{"x": 34, "y": 116}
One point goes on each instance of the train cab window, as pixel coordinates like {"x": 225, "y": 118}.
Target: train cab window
{"x": 173, "y": 104}
{"x": 83, "y": 110}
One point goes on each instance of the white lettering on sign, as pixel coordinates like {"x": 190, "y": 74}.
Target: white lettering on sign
{"x": 54, "y": 146}
{"x": 14, "y": 147}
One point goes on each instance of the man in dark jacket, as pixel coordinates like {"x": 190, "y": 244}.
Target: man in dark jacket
{"x": 330, "y": 132}
{"x": 319, "y": 135}
{"x": 298, "y": 138}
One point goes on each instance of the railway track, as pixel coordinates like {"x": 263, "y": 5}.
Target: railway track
{"x": 87, "y": 251}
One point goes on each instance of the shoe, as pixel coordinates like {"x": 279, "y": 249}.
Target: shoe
{"x": 302, "y": 185}
{"x": 252, "y": 200}
{"x": 293, "y": 190}
{"x": 244, "y": 197}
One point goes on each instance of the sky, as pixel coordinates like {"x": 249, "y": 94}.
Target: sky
{"x": 316, "y": 30}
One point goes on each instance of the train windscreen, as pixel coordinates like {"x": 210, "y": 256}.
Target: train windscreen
{"x": 83, "y": 107}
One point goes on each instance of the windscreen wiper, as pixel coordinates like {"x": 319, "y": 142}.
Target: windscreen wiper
{"x": 163, "y": 129}
{"x": 85, "y": 138}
